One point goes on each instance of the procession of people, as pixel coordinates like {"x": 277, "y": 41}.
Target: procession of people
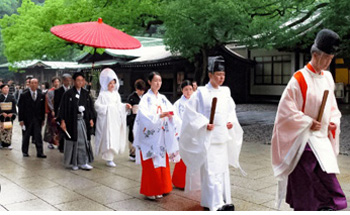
{"x": 199, "y": 134}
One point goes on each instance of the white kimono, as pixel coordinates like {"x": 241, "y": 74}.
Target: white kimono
{"x": 292, "y": 127}
{"x": 207, "y": 154}
{"x": 154, "y": 136}
{"x": 110, "y": 137}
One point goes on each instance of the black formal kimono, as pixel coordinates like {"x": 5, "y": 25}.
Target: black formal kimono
{"x": 78, "y": 149}
{"x": 58, "y": 93}
{"x": 133, "y": 99}
{"x": 6, "y": 134}
{"x": 32, "y": 113}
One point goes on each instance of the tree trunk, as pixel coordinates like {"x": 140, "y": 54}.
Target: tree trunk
{"x": 204, "y": 66}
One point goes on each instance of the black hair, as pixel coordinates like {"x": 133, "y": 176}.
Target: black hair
{"x": 140, "y": 85}
{"x": 46, "y": 84}
{"x": 77, "y": 74}
{"x": 152, "y": 74}
{"x": 55, "y": 78}
{"x": 3, "y": 85}
{"x": 185, "y": 83}
{"x": 29, "y": 78}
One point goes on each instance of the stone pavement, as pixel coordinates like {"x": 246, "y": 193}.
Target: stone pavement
{"x": 44, "y": 184}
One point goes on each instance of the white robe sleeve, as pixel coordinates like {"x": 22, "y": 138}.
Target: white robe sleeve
{"x": 335, "y": 118}
{"x": 100, "y": 106}
{"x": 236, "y": 133}
{"x": 194, "y": 142}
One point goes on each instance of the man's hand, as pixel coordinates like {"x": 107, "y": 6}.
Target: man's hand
{"x": 53, "y": 114}
{"x": 316, "y": 126}
{"x": 229, "y": 125}
{"x": 10, "y": 115}
{"x": 5, "y": 115}
{"x": 21, "y": 123}
{"x": 332, "y": 126}
{"x": 63, "y": 125}
{"x": 91, "y": 123}
{"x": 210, "y": 127}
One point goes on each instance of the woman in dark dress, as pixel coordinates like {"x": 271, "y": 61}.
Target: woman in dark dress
{"x": 8, "y": 113}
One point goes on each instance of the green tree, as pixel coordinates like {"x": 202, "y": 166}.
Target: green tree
{"x": 193, "y": 28}
{"x": 27, "y": 34}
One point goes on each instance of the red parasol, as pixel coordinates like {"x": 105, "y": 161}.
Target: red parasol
{"x": 96, "y": 34}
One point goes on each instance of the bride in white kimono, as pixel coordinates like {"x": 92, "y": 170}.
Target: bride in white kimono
{"x": 110, "y": 138}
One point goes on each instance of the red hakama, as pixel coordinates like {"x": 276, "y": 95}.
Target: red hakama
{"x": 179, "y": 175}
{"x": 155, "y": 181}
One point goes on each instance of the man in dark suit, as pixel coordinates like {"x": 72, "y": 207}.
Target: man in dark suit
{"x": 58, "y": 93}
{"x": 134, "y": 99}
{"x": 31, "y": 116}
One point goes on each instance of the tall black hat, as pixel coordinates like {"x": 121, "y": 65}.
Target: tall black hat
{"x": 327, "y": 41}
{"x": 216, "y": 63}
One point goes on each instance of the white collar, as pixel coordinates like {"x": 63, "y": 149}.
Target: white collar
{"x": 152, "y": 93}
{"x": 210, "y": 87}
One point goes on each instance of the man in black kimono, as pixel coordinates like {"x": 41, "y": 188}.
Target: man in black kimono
{"x": 134, "y": 99}
{"x": 58, "y": 93}
{"x": 31, "y": 116}
{"x": 76, "y": 114}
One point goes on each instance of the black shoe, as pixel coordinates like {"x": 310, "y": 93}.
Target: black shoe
{"x": 61, "y": 150}
{"x": 228, "y": 207}
{"x": 25, "y": 155}
{"x": 41, "y": 156}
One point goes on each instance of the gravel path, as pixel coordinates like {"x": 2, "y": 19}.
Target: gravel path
{"x": 257, "y": 122}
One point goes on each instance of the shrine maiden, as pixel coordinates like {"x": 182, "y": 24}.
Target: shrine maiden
{"x": 155, "y": 138}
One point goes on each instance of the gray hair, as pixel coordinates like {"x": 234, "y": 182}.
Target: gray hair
{"x": 65, "y": 76}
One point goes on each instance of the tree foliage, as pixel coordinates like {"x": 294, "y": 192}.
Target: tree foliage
{"x": 26, "y": 35}
{"x": 193, "y": 28}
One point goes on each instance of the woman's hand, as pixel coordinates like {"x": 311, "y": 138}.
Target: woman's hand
{"x": 166, "y": 114}
{"x": 4, "y": 114}
{"x": 91, "y": 123}
{"x": 229, "y": 125}
{"x": 10, "y": 115}
{"x": 128, "y": 106}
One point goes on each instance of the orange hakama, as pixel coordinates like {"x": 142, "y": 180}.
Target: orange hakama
{"x": 179, "y": 175}
{"x": 155, "y": 181}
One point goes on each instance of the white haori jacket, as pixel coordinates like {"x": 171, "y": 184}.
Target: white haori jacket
{"x": 294, "y": 118}
{"x": 155, "y": 136}
{"x": 195, "y": 139}
{"x": 111, "y": 117}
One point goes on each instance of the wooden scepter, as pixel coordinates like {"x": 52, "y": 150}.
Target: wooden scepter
{"x": 213, "y": 108}
{"x": 323, "y": 105}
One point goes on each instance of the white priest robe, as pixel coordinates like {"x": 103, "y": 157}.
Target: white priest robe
{"x": 110, "y": 137}
{"x": 155, "y": 136}
{"x": 294, "y": 118}
{"x": 207, "y": 154}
